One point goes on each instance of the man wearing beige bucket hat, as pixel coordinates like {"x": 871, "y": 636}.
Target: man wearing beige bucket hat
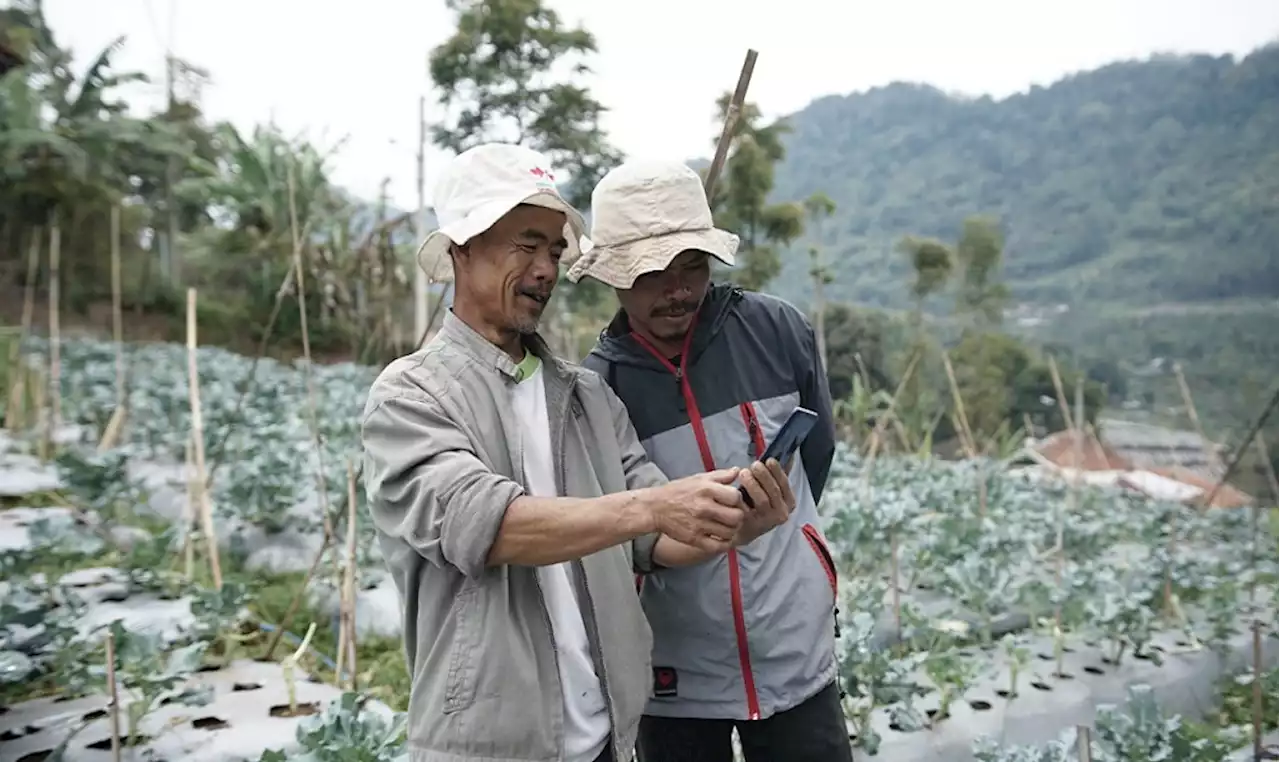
{"x": 513, "y": 502}
{"x": 709, "y": 374}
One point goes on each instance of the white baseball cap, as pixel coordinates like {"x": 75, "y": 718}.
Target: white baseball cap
{"x": 478, "y": 187}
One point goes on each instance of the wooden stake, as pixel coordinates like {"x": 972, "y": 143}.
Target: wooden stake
{"x": 189, "y": 514}
{"x": 893, "y": 582}
{"x": 296, "y": 601}
{"x": 15, "y": 412}
{"x": 113, "y": 689}
{"x": 1244, "y": 443}
{"x": 313, "y": 417}
{"x": 731, "y": 116}
{"x": 1265, "y": 456}
{"x": 1257, "y": 689}
{"x": 966, "y": 434}
{"x": 55, "y": 335}
{"x": 1084, "y": 746}
{"x": 111, "y": 434}
{"x": 878, "y": 432}
{"x": 1061, "y": 395}
{"x": 44, "y": 442}
{"x": 350, "y": 581}
{"x": 197, "y": 436}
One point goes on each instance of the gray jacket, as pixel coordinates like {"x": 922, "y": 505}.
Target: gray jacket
{"x": 750, "y": 633}
{"x": 442, "y": 463}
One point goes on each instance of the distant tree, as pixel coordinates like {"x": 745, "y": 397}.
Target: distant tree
{"x": 499, "y": 78}
{"x": 818, "y": 207}
{"x": 741, "y": 198}
{"x": 981, "y": 293}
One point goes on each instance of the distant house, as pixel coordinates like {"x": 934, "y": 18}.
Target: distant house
{"x": 1159, "y": 462}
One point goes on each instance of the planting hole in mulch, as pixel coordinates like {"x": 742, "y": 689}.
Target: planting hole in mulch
{"x": 978, "y": 705}
{"x": 36, "y": 756}
{"x": 210, "y": 723}
{"x": 1068, "y": 650}
{"x": 96, "y": 714}
{"x": 238, "y": 687}
{"x": 1108, "y": 661}
{"x": 1044, "y": 657}
{"x": 1064, "y": 675}
{"x": 1156, "y": 647}
{"x": 1144, "y": 656}
{"x": 125, "y": 741}
{"x": 895, "y": 727}
{"x": 1095, "y": 670}
{"x": 1041, "y": 686}
{"x": 10, "y": 735}
{"x": 1180, "y": 643}
{"x": 302, "y": 710}
{"x": 1006, "y": 695}
{"x": 934, "y": 716}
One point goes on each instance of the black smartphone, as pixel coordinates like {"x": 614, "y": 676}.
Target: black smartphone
{"x": 786, "y": 442}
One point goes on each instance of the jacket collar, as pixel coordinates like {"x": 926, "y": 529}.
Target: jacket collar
{"x": 454, "y": 331}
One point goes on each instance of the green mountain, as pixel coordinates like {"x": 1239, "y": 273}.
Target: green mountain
{"x": 1136, "y": 184}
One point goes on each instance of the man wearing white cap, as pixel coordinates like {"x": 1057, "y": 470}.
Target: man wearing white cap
{"x": 513, "y": 501}
{"x": 709, "y": 374}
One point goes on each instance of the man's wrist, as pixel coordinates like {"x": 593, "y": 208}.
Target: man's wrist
{"x": 639, "y": 513}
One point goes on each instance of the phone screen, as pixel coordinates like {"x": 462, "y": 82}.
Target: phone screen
{"x": 786, "y": 442}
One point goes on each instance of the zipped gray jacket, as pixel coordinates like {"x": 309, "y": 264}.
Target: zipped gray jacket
{"x": 442, "y": 462}
{"x": 750, "y": 633}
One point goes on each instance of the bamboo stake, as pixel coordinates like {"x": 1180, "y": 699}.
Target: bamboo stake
{"x": 313, "y": 417}
{"x": 893, "y": 574}
{"x": 1265, "y": 456}
{"x": 966, "y": 434}
{"x": 1190, "y": 405}
{"x": 115, "y": 696}
{"x": 1084, "y": 746}
{"x": 732, "y": 114}
{"x": 1244, "y": 443}
{"x": 296, "y": 601}
{"x": 116, "y": 424}
{"x": 39, "y": 390}
{"x": 18, "y": 391}
{"x": 1061, "y": 395}
{"x": 1072, "y": 496}
{"x": 881, "y": 420}
{"x": 55, "y": 334}
{"x": 188, "y": 514}
{"x": 197, "y": 436}
{"x": 1257, "y": 689}
{"x": 351, "y": 573}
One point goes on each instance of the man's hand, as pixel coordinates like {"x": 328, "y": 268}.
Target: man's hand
{"x": 704, "y": 510}
{"x": 772, "y": 500}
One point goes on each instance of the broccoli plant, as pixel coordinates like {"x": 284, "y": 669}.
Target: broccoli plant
{"x": 951, "y": 672}
{"x": 347, "y": 732}
{"x": 1122, "y": 611}
{"x": 218, "y": 618}
{"x": 148, "y": 676}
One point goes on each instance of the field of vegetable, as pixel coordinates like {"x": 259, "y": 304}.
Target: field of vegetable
{"x": 984, "y": 611}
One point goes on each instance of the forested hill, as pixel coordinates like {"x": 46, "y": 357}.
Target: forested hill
{"x": 1137, "y": 183}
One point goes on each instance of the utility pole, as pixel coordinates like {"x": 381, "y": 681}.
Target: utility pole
{"x": 420, "y": 295}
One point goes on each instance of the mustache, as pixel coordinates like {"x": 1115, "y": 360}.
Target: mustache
{"x": 675, "y": 309}
{"x": 541, "y": 294}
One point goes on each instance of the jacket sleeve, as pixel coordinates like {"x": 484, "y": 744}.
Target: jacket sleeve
{"x": 427, "y": 487}
{"x": 640, "y": 472}
{"x": 815, "y": 393}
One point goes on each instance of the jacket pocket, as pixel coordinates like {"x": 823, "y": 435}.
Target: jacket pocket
{"x": 820, "y": 549}
{"x": 460, "y": 683}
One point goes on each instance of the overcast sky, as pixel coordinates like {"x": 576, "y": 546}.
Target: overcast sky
{"x": 356, "y": 70}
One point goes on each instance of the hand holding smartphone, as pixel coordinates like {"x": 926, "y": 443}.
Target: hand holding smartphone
{"x": 786, "y": 442}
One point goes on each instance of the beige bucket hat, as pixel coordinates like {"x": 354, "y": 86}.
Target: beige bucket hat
{"x": 644, "y": 213}
{"x": 478, "y": 187}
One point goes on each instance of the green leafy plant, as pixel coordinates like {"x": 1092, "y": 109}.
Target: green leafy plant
{"x": 148, "y": 676}
{"x": 347, "y": 731}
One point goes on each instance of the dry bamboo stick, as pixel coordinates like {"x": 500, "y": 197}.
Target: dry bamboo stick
{"x": 1061, "y": 395}
{"x": 1265, "y": 456}
{"x": 296, "y": 601}
{"x": 893, "y": 581}
{"x": 966, "y": 434}
{"x": 1084, "y": 746}
{"x": 18, "y": 391}
{"x": 732, "y": 114}
{"x": 882, "y": 420}
{"x": 1257, "y": 690}
{"x": 312, "y": 415}
{"x": 115, "y": 425}
{"x": 55, "y": 334}
{"x": 197, "y": 436}
{"x": 114, "y": 690}
{"x": 189, "y": 514}
{"x": 39, "y": 390}
{"x": 350, "y": 586}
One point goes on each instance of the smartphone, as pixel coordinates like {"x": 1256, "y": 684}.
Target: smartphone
{"x": 786, "y": 442}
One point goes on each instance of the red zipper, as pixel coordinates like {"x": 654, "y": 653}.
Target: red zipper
{"x": 709, "y": 464}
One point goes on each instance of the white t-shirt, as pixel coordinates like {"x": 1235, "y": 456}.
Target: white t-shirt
{"x": 586, "y": 718}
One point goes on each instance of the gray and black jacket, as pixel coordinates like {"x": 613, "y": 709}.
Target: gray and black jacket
{"x": 749, "y": 633}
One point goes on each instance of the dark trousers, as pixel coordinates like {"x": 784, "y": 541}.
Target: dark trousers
{"x": 814, "y": 731}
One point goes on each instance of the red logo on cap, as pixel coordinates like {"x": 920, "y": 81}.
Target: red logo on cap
{"x": 539, "y": 172}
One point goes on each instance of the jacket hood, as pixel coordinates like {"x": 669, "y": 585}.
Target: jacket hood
{"x": 616, "y": 344}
